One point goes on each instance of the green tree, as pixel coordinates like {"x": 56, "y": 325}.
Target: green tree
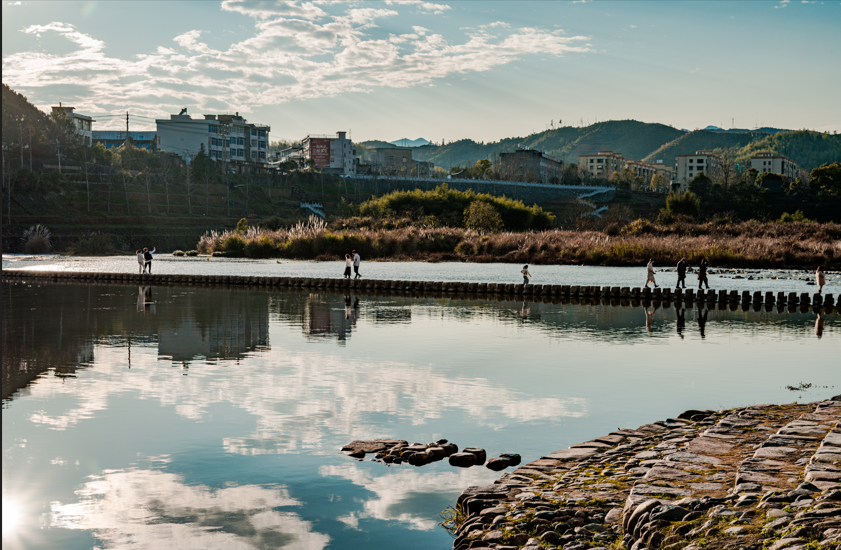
{"x": 686, "y": 204}
{"x": 701, "y": 185}
{"x": 481, "y": 216}
{"x": 826, "y": 180}
{"x": 479, "y": 169}
{"x": 656, "y": 182}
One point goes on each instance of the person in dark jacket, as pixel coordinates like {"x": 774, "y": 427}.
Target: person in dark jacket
{"x": 702, "y": 274}
{"x": 147, "y": 255}
{"x": 681, "y": 273}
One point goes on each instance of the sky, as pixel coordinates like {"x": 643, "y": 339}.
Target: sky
{"x": 440, "y": 70}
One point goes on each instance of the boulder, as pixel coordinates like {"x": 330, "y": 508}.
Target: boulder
{"x": 668, "y": 512}
{"x": 481, "y": 456}
{"x": 513, "y": 458}
{"x": 497, "y": 464}
{"x": 463, "y": 460}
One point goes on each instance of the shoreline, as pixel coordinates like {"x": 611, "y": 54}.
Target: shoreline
{"x": 753, "y": 477}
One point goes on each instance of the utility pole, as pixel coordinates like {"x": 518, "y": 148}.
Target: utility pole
{"x": 126, "y": 125}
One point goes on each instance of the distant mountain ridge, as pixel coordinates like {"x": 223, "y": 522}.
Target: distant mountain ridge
{"x": 641, "y": 141}
{"x": 405, "y": 142}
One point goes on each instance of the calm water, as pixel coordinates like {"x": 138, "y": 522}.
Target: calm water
{"x": 185, "y": 417}
{"x": 730, "y": 279}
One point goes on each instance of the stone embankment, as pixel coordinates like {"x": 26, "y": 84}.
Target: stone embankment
{"x": 765, "y": 476}
{"x": 607, "y": 295}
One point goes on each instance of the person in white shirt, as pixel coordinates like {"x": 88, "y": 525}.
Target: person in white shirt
{"x": 356, "y": 261}
{"x": 526, "y": 274}
{"x": 141, "y": 260}
{"x": 348, "y": 264}
{"x": 650, "y": 272}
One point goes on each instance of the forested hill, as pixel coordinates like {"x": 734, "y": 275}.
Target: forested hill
{"x": 642, "y": 141}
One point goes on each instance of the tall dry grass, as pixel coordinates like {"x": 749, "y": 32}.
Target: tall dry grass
{"x": 748, "y": 244}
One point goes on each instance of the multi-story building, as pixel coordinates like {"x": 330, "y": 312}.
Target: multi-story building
{"x": 689, "y": 166}
{"x": 647, "y": 170}
{"x": 225, "y": 137}
{"x": 518, "y": 164}
{"x": 600, "y": 166}
{"x": 391, "y": 160}
{"x": 777, "y": 164}
{"x": 82, "y": 123}
{"x": 333, "y": 154}
{"x": 113, "y": 139}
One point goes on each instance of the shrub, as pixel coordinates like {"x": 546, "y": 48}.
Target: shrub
{"x": 481, "y": 216}
{"x": 232, "y": 243}
{"x": 242, "y": 225}
{"x": 36, "y": 240}
{"x": 666, "y": 217}
{"x": 273, "y": 224}
{"x": 192, "y": 253}
{"x": 431, "y": 221}
{"x": 178, "y": 253}
{"x": 798, "y": 216}
{"x": 686, "y": 203}
{"x": 96, "y": 244}
{"x": 262, "y": 247}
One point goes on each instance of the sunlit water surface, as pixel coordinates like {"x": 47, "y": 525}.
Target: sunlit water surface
{"x": 172, "y": 417}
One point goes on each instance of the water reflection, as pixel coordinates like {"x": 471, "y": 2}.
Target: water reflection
{"x": 151, "y": 508}
{"x": 247, "y": 442}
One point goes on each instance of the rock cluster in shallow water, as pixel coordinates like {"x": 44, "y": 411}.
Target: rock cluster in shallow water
{"x": 398, "y": 451}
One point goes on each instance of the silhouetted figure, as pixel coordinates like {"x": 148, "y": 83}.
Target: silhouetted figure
{"x": 702, "y": 321}
{"x": 681, "y": 321}
{"x": 702, "y": 274}
{"x": 649, "y": 271}
{"x": 147, "y": 258}
{"x": 820, "y": 278}
{"x": 681, "y": 273}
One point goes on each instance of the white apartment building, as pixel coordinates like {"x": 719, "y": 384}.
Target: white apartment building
{"x": 601, "y": 165}
{"x": 689, "y": 166}
{"x": 225, "y": 137}
{"x": 83, "y": 123}
{"x": 777, "y": 164}
{"x": 647, "y": 170}
{"x": 333, "y": 153}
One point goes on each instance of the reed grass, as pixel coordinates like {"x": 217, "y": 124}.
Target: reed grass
{"x": 747, "y": 244}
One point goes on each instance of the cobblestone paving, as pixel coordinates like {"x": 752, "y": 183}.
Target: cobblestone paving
{"x": 761, "y": 477}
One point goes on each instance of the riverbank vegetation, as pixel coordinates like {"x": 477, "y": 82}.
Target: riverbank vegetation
{"x": 746, "y": 244}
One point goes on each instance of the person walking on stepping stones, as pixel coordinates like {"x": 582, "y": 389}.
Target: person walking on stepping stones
{"x": 650, "y": 274}
{"x": 141, "y": 261}
{"x": 820, "y": 278}
{"x": 526, "y": 274}
{"x": 681, "y": 273}
{"x": 702, "y": 274}
{"x": 147, "y": 257}
{"x": 348, "y": 264}
{"x": 356, "y": 261}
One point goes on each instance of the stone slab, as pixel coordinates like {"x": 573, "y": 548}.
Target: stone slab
{"x": 773, "y": 452}
{"x": 704, "y": 445}
{"x": 573, "y": 454}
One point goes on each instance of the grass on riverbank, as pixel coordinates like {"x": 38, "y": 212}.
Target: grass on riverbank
{"x": 748, "y": 244}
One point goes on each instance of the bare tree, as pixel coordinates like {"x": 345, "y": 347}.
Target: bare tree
{"x": 725, "y": 169}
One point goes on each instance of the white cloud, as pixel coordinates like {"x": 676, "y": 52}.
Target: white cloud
{"x": 148, "y": 508}
{"x": 296, "y": 51}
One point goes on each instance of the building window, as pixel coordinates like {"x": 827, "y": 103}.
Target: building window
{"x": 253, "y": 132}
{"x": 262, "y": 145}
{"x": 254, "y": 154}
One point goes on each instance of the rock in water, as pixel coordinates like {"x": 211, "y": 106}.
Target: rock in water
{"x": 481, "y": 456}
{"x": 513, "y": 458}
{"x": 463, "y": 460}
{"x": 497, "y": 464}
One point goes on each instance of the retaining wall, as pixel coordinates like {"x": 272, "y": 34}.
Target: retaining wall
{"x": 607, "y": 295}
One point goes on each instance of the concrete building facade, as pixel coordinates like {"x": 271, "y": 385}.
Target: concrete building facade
{"x": 82, "y": 123}
{"x": 519, "y": 164}
{"x": 777, "y": 164}
{"x": 689, "y": 166}
{"x": 600, "y": 166}
{"x": 331, "y": 154}
{"x": 225, "y": 137}
{"x": 647, "y": 170}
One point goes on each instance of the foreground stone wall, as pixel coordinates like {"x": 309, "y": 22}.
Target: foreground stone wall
{"x": 607, "y": 295}
{"x": 765, "y": 476}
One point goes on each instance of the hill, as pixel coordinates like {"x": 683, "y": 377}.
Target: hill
{"x": 697, "y": 140}
{"x": 632, "y": 138}
{"x": 405, "y": 142}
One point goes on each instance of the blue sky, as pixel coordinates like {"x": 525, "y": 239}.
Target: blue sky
{"x": 438, "y": 70}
